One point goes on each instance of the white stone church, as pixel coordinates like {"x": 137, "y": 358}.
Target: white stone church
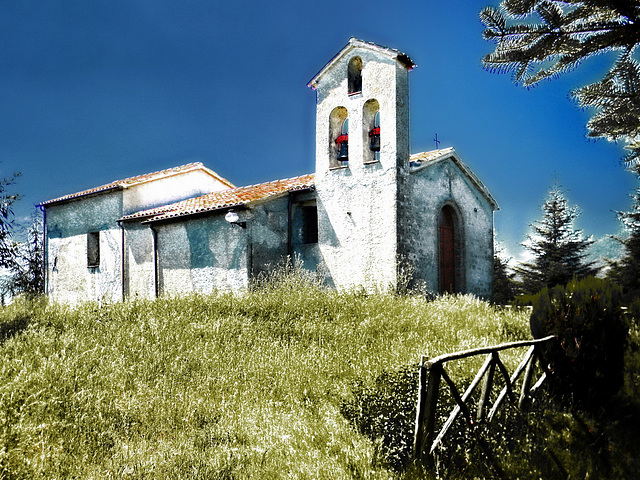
{"x": 370, "y": 210}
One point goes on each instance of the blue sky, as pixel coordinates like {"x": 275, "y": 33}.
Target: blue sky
{"x": 94, "y": 91}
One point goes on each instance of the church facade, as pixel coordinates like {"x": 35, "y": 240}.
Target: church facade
{"x": 370, "y": 213}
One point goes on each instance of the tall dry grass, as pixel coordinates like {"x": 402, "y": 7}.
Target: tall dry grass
{"x": 220, "y": 386}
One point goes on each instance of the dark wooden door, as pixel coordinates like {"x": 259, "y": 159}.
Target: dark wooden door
{"x": 447, "y": 258}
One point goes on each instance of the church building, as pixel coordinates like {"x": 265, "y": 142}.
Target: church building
{"x": 371, "y": 212}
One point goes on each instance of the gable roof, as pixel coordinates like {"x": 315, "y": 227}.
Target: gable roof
{"x": 140, "y": 179}
{"x": 420, "y": 161}
{"x": 355, "y": 43}
{"x": 233, "y": 197}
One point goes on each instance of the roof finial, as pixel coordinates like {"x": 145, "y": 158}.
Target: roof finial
{"x": 437, "y": 142}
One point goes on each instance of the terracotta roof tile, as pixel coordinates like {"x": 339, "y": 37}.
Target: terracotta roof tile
{"x": 233, "y": 197}
{"x": 148, "y": 177}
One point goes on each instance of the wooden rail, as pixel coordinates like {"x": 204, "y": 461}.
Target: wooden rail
{"x": 432, "y": 373}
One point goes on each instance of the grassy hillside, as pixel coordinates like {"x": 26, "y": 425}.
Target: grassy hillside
{"x": 220, "y": 386}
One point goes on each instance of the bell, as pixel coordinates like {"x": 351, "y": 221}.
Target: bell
{"x": 343, "y": 152}
{"x": 374, "y": 143}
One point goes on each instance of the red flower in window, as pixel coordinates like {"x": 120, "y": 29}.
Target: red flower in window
{"x": 342, "y": 139}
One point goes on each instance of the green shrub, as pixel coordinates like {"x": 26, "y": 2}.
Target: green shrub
{"x": 587, "y": 360}
{"x": 386, "y": 413}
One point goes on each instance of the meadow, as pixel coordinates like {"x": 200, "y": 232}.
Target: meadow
{"x": 251, "y": 385}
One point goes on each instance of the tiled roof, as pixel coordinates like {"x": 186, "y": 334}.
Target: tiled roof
{"x": 148, "y": 177}
{"x": 233, "y": 197}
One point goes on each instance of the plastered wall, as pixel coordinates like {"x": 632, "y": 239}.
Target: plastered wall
{"x": 69, "y": 279}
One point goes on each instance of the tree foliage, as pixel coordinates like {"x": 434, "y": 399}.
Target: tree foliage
{"x": 7, "y": 199}
{"x": 504, "y": 285}
{"x": 28, "y": 266}
{"x": 539, "y": 39}
{"x": 559, "y": 248}
{"x": 626, "y": 271}
{"x": 587, "y": 360}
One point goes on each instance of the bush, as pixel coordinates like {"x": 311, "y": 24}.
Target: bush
{"x": 587, "y": 361}
{"x": 386, "y": 412}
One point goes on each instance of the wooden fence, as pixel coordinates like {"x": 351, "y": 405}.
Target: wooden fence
{"x": 432, "y": 372}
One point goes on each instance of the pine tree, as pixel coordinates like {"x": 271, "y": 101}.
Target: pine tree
{"x": 539, "y": 39}
{"x": 626, "y": 271}
{"x": 559, "y": 249}
{"x": 504, "y": 285}
{"x": 28, "y": 267}
{"x": 7, "y": 245}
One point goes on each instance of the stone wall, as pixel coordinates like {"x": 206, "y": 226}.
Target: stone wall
{"x": 428, "y": 190}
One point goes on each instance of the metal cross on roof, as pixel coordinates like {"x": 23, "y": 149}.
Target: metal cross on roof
{"x": 437, "y": 142}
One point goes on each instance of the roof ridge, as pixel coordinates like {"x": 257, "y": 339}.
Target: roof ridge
{"x": 131, "y": 181}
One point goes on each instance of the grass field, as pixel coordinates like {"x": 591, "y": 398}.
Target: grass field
{"x": 222, "y": 386}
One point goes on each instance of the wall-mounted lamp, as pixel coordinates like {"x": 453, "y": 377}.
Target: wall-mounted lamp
{"x": 233, "y": 218}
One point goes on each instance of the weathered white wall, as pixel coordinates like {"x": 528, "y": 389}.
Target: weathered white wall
{"x": 202, "y": 255}
{"x": 267, "y": 225}
{"x": 168, "y": 190}
{"x": 357, "y": 211}
{"x": 427, "y": 191}
{"x": 139, "y": 267}
{"x": 68, "y": 277}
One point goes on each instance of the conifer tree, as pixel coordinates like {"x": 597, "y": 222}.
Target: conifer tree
{"x": 539, "y": 39}
{"x": 7, "y": 199}
{"x": 504, "y": 285}
{"x": 559, "y": 249}
{"x": 28, "y": 267}
{"x": 626, "y": 271}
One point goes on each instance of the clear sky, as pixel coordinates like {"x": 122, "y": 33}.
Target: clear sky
{"x": 98, "y": 90}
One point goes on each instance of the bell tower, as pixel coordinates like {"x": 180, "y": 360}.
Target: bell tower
{"x": 362, "y": 155}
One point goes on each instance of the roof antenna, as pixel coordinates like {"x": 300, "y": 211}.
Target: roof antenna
{"x": 437, "y": 142}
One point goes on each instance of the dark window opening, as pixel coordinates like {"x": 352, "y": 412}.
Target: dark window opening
{"x": 310, "y": 224}
{"x": 355, "y": 75}
{"x": 93, "y": 249}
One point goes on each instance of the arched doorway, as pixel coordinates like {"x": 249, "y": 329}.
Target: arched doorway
{"x": 448, "y": 251}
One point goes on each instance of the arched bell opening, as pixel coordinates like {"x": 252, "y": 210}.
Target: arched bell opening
{"x": 371, "y": 131}
{"x": 450, "y": 251}
{"x": 354, "y": 73}
{"x": 339, "y": 138}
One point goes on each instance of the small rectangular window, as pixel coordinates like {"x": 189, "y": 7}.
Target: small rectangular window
{"x": 310, "y": 224}
{"x": 93, "y": 249}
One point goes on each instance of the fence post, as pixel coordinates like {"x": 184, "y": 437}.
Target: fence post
{"x": 526, "y": 381}
{"x": 428, "y": 392}
{"x": 486, "y": 389}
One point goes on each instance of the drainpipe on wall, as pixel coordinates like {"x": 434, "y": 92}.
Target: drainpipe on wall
{"x": 289, "y": 226}
{"x": 123, "y": 267}
{"x": 156, "y": 275}
{"x": 45, "y": 250}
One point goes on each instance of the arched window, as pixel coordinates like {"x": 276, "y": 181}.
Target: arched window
{"x": 355, "y": 75}
{"x": 371, "y": 131}
{"x": 338, "y": 138}
{"x": 449, "y": 251}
